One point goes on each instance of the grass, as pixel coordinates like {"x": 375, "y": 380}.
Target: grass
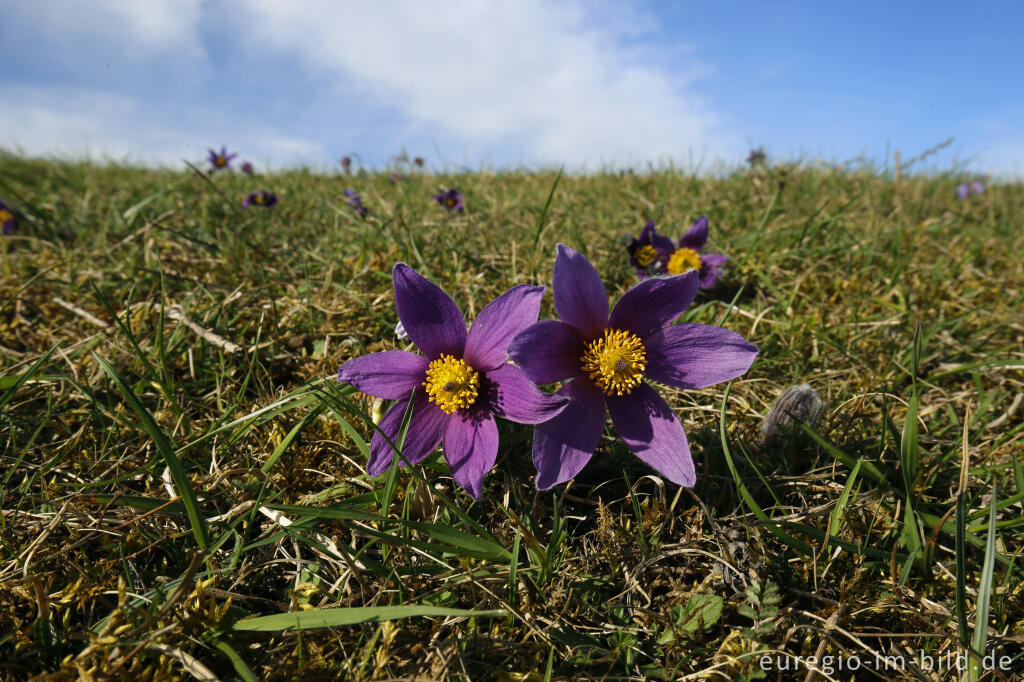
{"x": 183, "y": 487}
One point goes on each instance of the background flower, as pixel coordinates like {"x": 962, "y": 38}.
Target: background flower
{"x": 8, "y": 221}
{"x": 450, "y": 199}
{"x": 356, "y": 202}
{"x": 220, "y": 160}
{"x": 607, "y": 360}
{"x": 260, "y": 197}
{"x": 247, "y": 168}
{"x": 649, "y": 252}
{"x": 459, "y": 384}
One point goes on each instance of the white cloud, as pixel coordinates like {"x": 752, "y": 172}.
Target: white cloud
{"x": 81, "y": 123}
{"x": 554, "y": 79}
{"x": 126, "y": 25}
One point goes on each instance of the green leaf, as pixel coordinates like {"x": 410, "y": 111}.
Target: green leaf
{"x": 329, "y": 618}
{"x": 701, "y": 612}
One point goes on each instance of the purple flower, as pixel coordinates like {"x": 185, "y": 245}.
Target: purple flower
{"x": 8, "y": 221}
{"x": 247, "y": 168}
{"x": 221, "y": 160}
{"x": 963, "y": 190}
{"x": 650, "y": 251}
{"x": 654, "y": 254}
{"x": 418, "y": 161}
{"x": 450, "y": 199}
{"x": 346, "y": 163}
{"x": 356, "y": 202}
{"x": 461, "y": 384}
{"x": 260, "y": 197}
{"x": 977, "y": 187}
{"x": 607, "y": 358}
{"x": 756, "y": 157}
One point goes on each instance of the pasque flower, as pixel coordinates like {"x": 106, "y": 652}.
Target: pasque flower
{"x": 247, "y": 168}
{"x": 356, "y": 202}
{"x": 260, "y": 197}
{"x": 459, "y": 384}
{"x": 607, "y": 359}
{"x": 450, "y": 199}
{"x": 655, "y": 254}
{"x": 8, "y": 221}
{"x": 221, "y": 160}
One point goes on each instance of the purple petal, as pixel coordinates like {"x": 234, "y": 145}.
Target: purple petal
{"x": 710, "y": 267}
{"x": 391, "y": 374}
{"x": 517, "y": 399}
{"x": 426, "y": 425}
{"x": 580, "y": 297}
{"x": 649, "y": 427}
{"x": 430, "y": 316}
{"x": 662, "y": 244}
{"x": 502, "y": 318}
{"x": 470, "y": 447}
{"x": 653, "y": 303}
{"x": 697, "y": 355}
{"x": 548, "y": 351}
{"x": 696, "y": 236}
{"x": 562, "y": 446}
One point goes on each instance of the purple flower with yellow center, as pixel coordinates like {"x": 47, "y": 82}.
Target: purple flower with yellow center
{"x": 607, "y": 358}
{"x": 459, "y": 384}
{"x": 451, "y": 199}
{"x": 260, "y": 197}
{"x": 649, "y": 252}
{"x": 8, "y": 221}
{"x": 356, "y": 202}
{"x": 247, "y": 168}
{"x": 665, "y": 258}
{"x": 221, "y": 160}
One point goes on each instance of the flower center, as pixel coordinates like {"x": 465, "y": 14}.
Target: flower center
{"x": 683, "y": 260}
{"x": 259, "y": 198}
{"x": 5, "y": 216}
{"x": 449, "y": 202}
{"x": 616, "y": 362}
{"x": 451, "y": 383}
{"x": 220, "y": 161}
{"x": 645, "y": 255}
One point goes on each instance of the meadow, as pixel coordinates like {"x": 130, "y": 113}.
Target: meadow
{"x": 183, "y": 479}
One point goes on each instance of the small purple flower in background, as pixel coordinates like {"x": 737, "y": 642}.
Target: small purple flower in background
{"x": 346, "y": 164}
{"x": 450, "y": 199}
{"x": 220, "y": 160}
{"x": 461, "y": 384}
{"x": 247, "y": 168}
{"x": 8, "y": 221}
{"x": 356, "y": 202}
{"x": 649, "y": 252}
{"x": 654, "y": 254}
{"x": 964, "y": 190}
{"x": 756, "y": 157}
{"x": 418, "y": 161}
{"x": 606, "y": 360}
{"x": 395, "y": 178}
{"x": 260, "y": 197}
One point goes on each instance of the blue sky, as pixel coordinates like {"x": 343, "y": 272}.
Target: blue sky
{"x": 518, "y": 83}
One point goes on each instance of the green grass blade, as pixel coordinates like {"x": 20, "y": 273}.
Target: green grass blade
{"x": 166, "y": 449}
{"x": 961, "y": 569}
{"x": 331, "y": 618}
{"x": 748, "y": 499}
{"x": 980, "y": 639}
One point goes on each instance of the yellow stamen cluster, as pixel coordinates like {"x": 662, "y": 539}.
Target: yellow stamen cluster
{"x": 258, "y": 198}
{"x": 449, "y": 201}
{"x": 616, "y": 361}
{"x": 451, "y": 383}
{"x": 682, "y": 261}
{"x": 220, "y": 161}
{"x": 645, "y": 255}
{"x": 5, "y": 216}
